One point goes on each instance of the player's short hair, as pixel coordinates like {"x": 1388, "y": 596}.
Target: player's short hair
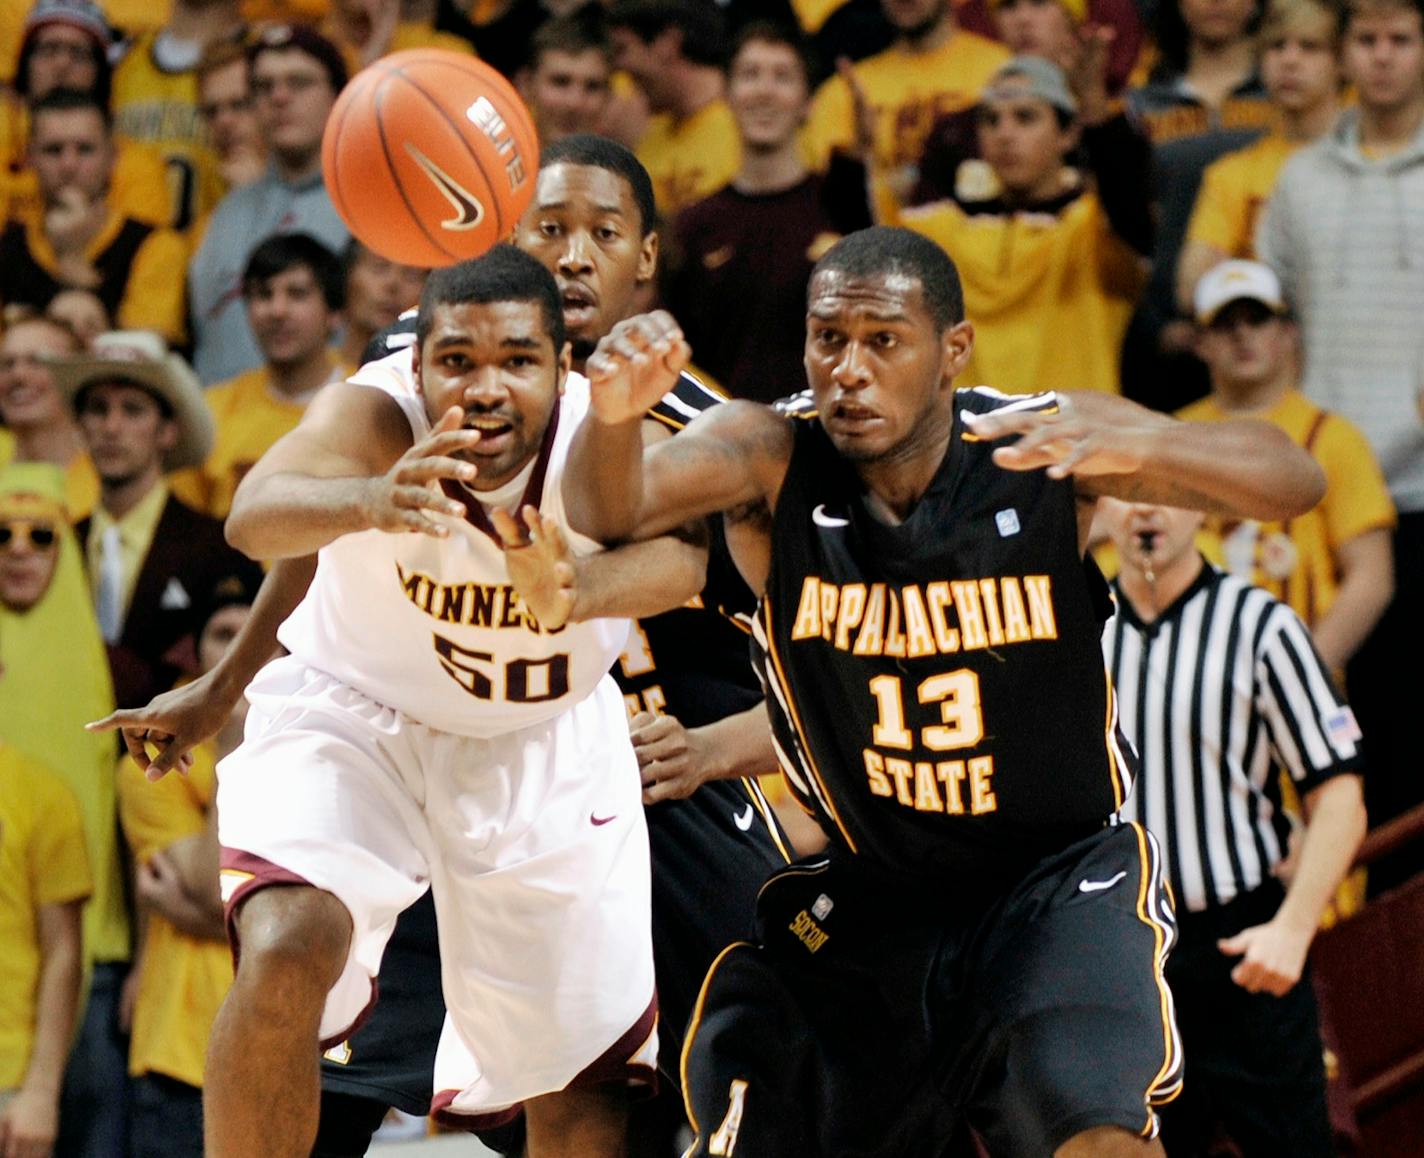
{"x": 67, "y": 100}
{"x": 704, "y": 35}
{"x": 504, "y": 274}
{"x": 602, "y": 153}
{"x": 286, "y": 251}
{"x": 579, "y": 32}
{"x": 885, "y": 249}
{"x": 774, "y": 32}
{"x": 1349, "y": 9}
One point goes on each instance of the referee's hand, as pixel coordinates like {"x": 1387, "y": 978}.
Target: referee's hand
{"x": 1272, "y": 957}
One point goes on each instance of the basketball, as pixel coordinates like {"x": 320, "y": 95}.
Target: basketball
{"x": 429, "y": 157}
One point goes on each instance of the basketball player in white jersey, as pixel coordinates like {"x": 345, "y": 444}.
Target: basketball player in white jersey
{"x": 426, "y": 729}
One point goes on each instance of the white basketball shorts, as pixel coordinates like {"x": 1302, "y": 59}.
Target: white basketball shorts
{"x": 533, "y": 842}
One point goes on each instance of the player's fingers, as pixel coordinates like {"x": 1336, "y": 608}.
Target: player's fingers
{"x": 667, "y": 746}
{"x": 444, "y": 444}
{"x": 1232, "y": 946}
{"x": 450, "y": 420}
{"x": 1065, "y": 465}
{"x": 428, "y": 470}
{"x": 173, "y": 755}
{"x": 414, "y": 520}
{"x": 133, "y": 744}
{"x": 119, "y": 719}
{"x": 410, "y": 497}
{"x": 511, "y": 534}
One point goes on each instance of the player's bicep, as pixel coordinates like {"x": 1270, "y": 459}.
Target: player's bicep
{"x": 730, "y": 456}
{"x": 347, "y": 431}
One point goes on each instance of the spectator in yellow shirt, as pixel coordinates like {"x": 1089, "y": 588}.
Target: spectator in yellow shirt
{"x": 293, "y": 290}
{"x": 1333, "y": 566}
{"x": 1301, "y": 69}
{"x": 44, "y": 881}
{"x": 35, "y": 423}
{"x": 183, "y": 967}
{"x": 933, "y": 69}
{"x": 80, "y": 239}
{"x": 1051, "y": 262}
{"x": 674, "y": 50}
{"x": 66, "y": 45}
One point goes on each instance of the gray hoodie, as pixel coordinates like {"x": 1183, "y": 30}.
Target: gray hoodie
{"x": 1346, "y": 234}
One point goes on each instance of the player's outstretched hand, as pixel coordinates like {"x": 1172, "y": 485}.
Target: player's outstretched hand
{"x": 541, "y": 566}
{"x": 635, "y": 364}
{"x": 1272, "y": 957}
{"x": 1083, "y": 437}
{"x": 174, "y": 723}
{"x": 671, "y": 758}
{"x": 405, "y": 496}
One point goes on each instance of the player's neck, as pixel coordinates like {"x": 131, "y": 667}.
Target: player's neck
{"x": 771, "y": 170}
{"x": 1151, "y": 591}
{"x": 1386, "y": 128}
{"x": 896, "y": 484}
{"x": 1251, "y": 397}
{"x": 1302, "y": 126}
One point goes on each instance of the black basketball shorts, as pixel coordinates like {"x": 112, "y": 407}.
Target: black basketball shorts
{"x": 872, "y": 1018}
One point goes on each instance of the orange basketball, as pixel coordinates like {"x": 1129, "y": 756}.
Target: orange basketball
{"x": 429, "y": 156}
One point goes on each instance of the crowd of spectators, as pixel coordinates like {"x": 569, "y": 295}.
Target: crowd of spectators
{"x": 176, "y": 286}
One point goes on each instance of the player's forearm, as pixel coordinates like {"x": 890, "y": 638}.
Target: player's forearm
{"x": 603, "y": 482}
{"x": 639, "y": 579}
{"x": 57, "y": 998}
{"x": 1332, "y": 837}
{"x": 283, "y": 587}
{"x": 739, "y": 745}
{"x": 287, "y": 515}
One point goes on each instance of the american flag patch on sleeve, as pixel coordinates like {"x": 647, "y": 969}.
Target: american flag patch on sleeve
{"x": 1341, "y": 727}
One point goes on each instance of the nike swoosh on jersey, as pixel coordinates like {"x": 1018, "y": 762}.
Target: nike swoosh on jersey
{"x": 469, "y": 210}
{"x": 599, "y": 821}
{"x": 743, "y": 820}
{"x": 821, "y": 519}
{"x": 1087, "y": 886}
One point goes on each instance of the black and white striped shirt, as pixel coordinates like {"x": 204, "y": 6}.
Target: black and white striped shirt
{"x": 1217, "y": 694}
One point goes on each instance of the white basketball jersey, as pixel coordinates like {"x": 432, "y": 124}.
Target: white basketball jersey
{"x": 432, "y": 627}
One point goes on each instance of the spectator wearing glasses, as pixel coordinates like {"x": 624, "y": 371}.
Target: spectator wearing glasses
{"x": 295, "y": 75}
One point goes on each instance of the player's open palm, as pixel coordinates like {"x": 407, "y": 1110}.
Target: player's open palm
{"x": 1272, "y": 957}
{"x": 540, "y": 564}
{"x": 635, "y": 364}
{"x": 407, "y": 496}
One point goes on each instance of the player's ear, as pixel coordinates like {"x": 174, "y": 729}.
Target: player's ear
{"x": 648, "y": 258}
{"x": 957, "y": 343}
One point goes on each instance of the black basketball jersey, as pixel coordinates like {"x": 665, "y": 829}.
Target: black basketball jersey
{"x": 693, "y": 662}
{"x": 937, "y": 688}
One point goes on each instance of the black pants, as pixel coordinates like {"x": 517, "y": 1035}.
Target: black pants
{"x": 1255, "y": 1063}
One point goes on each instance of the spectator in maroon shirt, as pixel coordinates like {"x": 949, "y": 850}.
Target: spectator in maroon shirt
{"x": 743, "y": 255}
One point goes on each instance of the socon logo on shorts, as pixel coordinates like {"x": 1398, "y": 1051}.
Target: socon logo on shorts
{"x": 469, "y": 212}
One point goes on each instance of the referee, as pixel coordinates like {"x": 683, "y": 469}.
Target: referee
{"x": 1219, "y": 687}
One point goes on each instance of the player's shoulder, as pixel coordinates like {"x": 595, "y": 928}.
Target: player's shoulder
{"x": 987, "y": 400}
{"x": 685, "y": 401}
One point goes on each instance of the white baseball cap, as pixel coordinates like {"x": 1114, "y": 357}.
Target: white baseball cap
{"x": 1234, "y": 281}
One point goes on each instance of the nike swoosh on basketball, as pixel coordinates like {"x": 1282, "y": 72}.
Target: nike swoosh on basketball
{"x": 469, "y": 211}
{"x": 743, "y": 820}
{"x": 597, "y": 821}
{"x": 821, "y": 519}
{"x": 1087, "y": 886}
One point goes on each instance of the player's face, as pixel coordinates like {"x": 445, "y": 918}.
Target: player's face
{"x": 1217, "y": 22}
{"x": 226, "y": 108}
{"x": 62, "y": 57}
{"x": 879, "y": 369}
{"x": 70, "y": 149}
{"x": 1021, "y": 139}
{"x": 28, "y": 398}
{"x": 914, "y": 17}
{"x": 1299, "y": 65}
{"x": 584, "y": 227}
{"x": 1384, "y": 56}
{"x": 767, "y": 92}
{"x": 125, "y": 431}
{"x": 568, "y": 92}
{"x": 292, "y": 95}
{"x": 1034, "y": 27}
{"x": 378, "y": 289}
{"x": 1245, "y": 345}
{"x": 29, "y": 549}
{"x": 1149, "y": 537}
{"x": 497, "y": 362}
{"x": 289, "y": 316}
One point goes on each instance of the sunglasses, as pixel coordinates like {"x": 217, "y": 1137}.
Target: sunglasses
{"x": 41, "y": 536}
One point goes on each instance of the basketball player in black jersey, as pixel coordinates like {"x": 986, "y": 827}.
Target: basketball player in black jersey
{"x": 982, "y": 942}
{"x": 685, "y": 675}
